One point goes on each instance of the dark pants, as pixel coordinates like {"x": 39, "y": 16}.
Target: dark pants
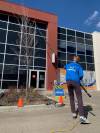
{"x": 75, "y": 87}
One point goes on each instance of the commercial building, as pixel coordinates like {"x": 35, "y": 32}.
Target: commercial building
{"x": 33, "y": 49}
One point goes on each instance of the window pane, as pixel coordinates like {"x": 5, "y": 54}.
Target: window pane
{"x": 41, "y": 79}
{"x": 39, "y": 68}
{"x": 26, "y": 61}
{"x": 61, "y": 56}
{"x": 27, "y": 40}
{"x": 90, "y": 42}
{"x": 40, "y": 53}
{"x": 2, "y": 36}
{"x": 22, "y": 78}
{"x": 71, "y": 47}
{"x": 80, "y": 40}
{"x": 83, "y": 65}
{"x": 61, "y": 30}
{"x": 41, "y": 25}
{"x": 14, "y": 27}
{"x": 71, "y": 38}
{"x": 10, "y": 72}
{"x": 90, "y": 67}
{"x": 27, "y": 51}
{"x": 80, "y": 48}
{"x": 13, "y": 37}
{"x": 82, "y": 58}
{"x": 89, "y": 59}
{"x": 3, "y": 25}
{"x": 89, "y": 50}
{"x": 88, "y": 36}
{"x": 40, "y": 42}
{"x": 0, "y": 70}
{"x": 70, "y": 56}
{"x": 62, "y": 45}
{"x": 11, "y": 59}
{"x": 8, "y": 84}
{"x": 2, "y": 48}
{"x": 79, "y": 34}
{"x": 40, "y": 32}
{"x": 11, "y": 49}
{"x": 40, "y": 62}
{"x": 3, "y": 17}
{"x": 26, "y": 29}
{"x": 1, "y": 58}
{"x": 71, "y": 32}
{"x": 61, "y": 64}
{"x": 15, "y": 19}
{"x": 62, "y": 36}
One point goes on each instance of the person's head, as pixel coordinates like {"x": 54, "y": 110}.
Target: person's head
{"x": 76, "y": 58}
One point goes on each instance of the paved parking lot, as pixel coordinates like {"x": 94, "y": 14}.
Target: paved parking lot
{"x": 50, "y": 119}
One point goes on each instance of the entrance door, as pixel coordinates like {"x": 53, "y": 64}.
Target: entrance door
{"x": 37, "y": 79}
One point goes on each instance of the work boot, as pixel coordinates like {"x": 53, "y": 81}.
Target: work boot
{"x": 83, "y": 120}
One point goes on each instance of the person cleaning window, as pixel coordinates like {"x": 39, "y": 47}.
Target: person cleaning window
{"x": 74, "y": 74}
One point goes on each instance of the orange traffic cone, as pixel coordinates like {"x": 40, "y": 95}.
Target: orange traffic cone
{"x": 20, "y": 102}
{"x": 60, "y": 100}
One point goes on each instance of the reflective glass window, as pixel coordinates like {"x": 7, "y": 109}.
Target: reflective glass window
{"x": 88, "y": 36}
{"x": 1, "y": 65}
{"x": 80, "y": 40}
{"x": 27, "y": 51}
{"x": 80, "y": 49}
{"x": 83, "y": 65}
{"x": 71, "y": 38}
{"x": 2, "y": 35}
{"x": 2, "y": 48}
{"x": 40, "y": 32}
{"x": 14, "y": 27}
{"x": 10, "y": 72}
{"x": 15, "y": 19}
{"x": 62, "y": 36}
{"x": 62, "y": 56}
{"x": 11, "y": 49}
{"x": 62, "y": 45}
{"x": 90, "y": 42}
{"x": 27, "y": 40}
{"x": 40, "y": 53}
{"x": 89, "y": 50}
{"x": 13, "y": 38}
{"x": 71, "y": 32}
{"x": 3, "y": 25}
{"x": 82, "y": 58}
{"x": 1, "y": 58}
{"x": 11, "y": 59}
{"x": 40, "y": 62}
{"x": 41, "y": 25}
{"x": 3, "y": 17}
{"x": 71, "y": 47}
{"x": 26, "y": 29}
{"x": 61, "y": 30}
{"x": 40, "y": 42}
{"x": 61, "y": 64}
{"x": 79, "y": 34}
{"x": 90, "y": 67}
{"x": 70, "y": 56}
{"x": 90, "y": 59}
{"x": 9, "y": 84}
{"x": 22, "y": 78}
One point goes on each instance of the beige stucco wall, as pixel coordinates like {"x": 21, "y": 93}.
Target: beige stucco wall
{"x": 96, "y": 45}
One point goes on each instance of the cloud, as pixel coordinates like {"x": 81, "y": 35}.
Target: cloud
{"x": 98, "y": 25}
{"x": 92, "y": 18}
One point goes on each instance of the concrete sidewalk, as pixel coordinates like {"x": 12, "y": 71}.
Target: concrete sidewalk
{"x": 50, "y": 119}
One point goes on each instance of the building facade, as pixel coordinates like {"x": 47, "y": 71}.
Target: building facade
{"x": 28, "y": 40}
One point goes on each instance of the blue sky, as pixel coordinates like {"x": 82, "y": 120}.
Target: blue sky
{"x": 83, "y": 15}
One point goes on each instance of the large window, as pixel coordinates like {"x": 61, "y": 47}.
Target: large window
{"x": 2, "y": 36}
